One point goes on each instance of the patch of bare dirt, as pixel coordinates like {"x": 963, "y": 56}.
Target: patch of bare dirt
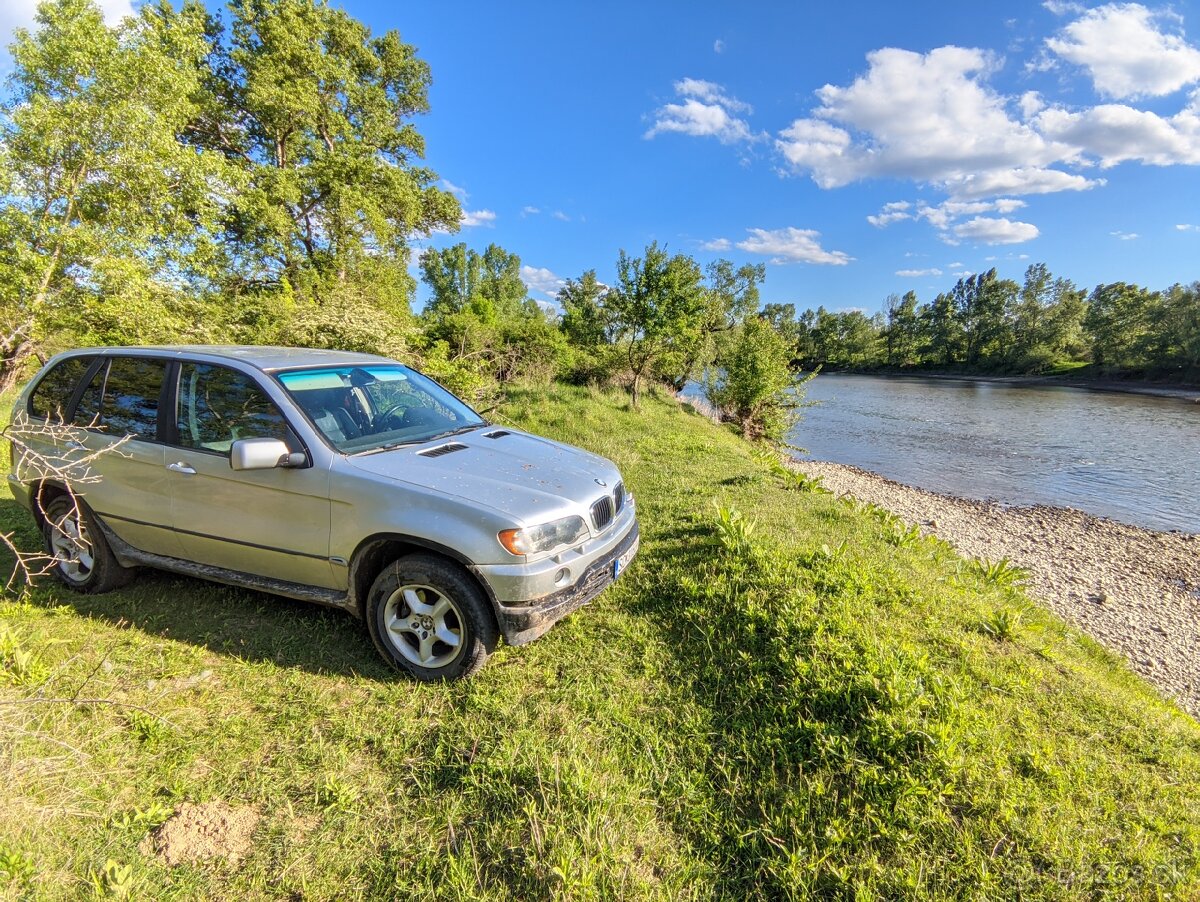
{"x": 198, "y": 833}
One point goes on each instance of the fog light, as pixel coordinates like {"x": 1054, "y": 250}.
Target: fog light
{"x": 562, "y": 577}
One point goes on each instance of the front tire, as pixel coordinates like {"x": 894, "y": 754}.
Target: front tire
{"x": 428, "y": 618}
{"x": 81, "y": 557}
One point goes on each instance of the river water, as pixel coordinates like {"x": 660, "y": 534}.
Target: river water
{"x": 1134, "y": 458}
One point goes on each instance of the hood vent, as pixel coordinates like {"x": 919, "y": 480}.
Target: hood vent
{"x": 499, "y": 433}
{"x": 441, "y": 450}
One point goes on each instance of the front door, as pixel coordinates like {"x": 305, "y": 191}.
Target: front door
{"x": 272, "y": 523}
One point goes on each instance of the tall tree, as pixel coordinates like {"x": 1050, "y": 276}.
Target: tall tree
{"x": 731, "y": 295}
{"x": 101, "y": 195}
{"x": 586, "y": 321}
{"x": 1118, "y": 321}
{"x": 902, "y": 332}
{"x": 942, "y": 331}
{"x": 982, "y": 303}
{"x": 314, "y": 111}
{"x": 461, "y": 278}
{"x": 658, "y": 307}
{"x": 1178, "y": 330}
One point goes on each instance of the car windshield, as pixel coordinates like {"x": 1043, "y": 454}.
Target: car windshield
{"x": 373, "y": 408}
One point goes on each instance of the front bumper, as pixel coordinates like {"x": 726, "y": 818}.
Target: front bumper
{"x": 524, "y": 622}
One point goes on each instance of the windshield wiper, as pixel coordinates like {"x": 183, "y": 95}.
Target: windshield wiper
{"x": 390, "y": 446}
{"x": 459, "y": 431}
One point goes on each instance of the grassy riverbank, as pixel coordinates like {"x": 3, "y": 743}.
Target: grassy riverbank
{"x": 820, "y": 703}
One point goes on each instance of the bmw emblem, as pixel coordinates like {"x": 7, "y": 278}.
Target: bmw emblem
{"x": 600, "y": 482}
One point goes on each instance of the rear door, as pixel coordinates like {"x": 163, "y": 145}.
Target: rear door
{"x": 272, "y": 523}
{"x": 118, "y": 410}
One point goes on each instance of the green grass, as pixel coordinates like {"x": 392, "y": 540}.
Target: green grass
{"x": 787, "y": 696}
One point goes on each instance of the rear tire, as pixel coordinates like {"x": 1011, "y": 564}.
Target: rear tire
{"x": 429, "y": 618}
{"x": 82, "y": 559}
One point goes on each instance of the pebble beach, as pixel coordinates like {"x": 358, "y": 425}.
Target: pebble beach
{"x": 1136, "y": 591}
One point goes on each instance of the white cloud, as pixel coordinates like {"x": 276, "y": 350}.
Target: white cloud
{"x": 1127, "y": 53}
{"x": 561, "y": 216}
{"x": 1125, "y": 236}
{"x": 926, "y": 117}
{"x": 917, "y": 273}
{"x": 1018, "y": 180}
{"x": 893, "y": 212}
{"x": 1031, "y": 103}
{"x": 716, "y": 244}
{"x": 988, "y": 230}
{"x": 791, "y": 245}
{"x": 541, "y": 279}
{"x": 1187, "y": 227}
{"x": 477, "y": 218}
{"x": 1063, "y": 7}
{"x": 943, "y": 214}
{"x": 954, "y": 266}
{"x": 1115, "y": 133}
{"x": 706, "y": 111}
{"x": 718, "y": 46}
{"x": 460, "y": 193}
{"x": 710, "y": 92}
{"x": 530, "y": 211}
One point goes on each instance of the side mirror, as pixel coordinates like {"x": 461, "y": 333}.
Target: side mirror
{"x": 263, "y": 454}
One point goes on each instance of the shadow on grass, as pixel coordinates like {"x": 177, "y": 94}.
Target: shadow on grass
{"x": 250, "y": 626}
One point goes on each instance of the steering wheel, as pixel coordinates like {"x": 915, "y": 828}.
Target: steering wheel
{"x": 383, "y": 419}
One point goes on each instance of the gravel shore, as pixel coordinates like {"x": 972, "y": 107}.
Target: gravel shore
{"x": 1134, "y": 590}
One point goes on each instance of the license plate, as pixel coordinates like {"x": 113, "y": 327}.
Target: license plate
{"x": 623, "y": 561}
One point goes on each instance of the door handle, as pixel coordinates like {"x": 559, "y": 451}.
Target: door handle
{"x": 181, "y": 467}
{"x": 76, "y": 446}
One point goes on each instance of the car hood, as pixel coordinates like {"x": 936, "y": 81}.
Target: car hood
{"x": 530, "y": 478}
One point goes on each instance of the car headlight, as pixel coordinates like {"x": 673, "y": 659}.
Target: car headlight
{"x": 546, "y": 537}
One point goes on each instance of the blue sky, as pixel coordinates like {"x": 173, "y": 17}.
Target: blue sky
{"x": 857, "y": 149}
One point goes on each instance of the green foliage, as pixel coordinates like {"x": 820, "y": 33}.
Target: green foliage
{"x": 999, "y": 573}
{"x": 1002, "y": 624}
{"x": 313, "y": 112}
{"x": 1118, "y": 321}
{"x": 657, "y": 310}
{"x": 113, "y": 881}
{"x": 735, "y": 532}
{"x": 100, "y": 192}
{"x": 753, "y": 383}
{"x": 347, "y": 324}
{"x": 1045, "y": 326}
{"x": 586, "y": 321}
{"x": 801, "y": 710}
{"x": 139, "y": 820}
{"x": 19, "y": 664}
{"x": 17, "y": 870}
{"x": 468, "y": 377}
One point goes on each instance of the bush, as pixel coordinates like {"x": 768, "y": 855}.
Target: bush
{"x": 753, "y": 383}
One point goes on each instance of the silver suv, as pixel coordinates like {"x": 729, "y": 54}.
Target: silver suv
{"x": 344, "y": 479}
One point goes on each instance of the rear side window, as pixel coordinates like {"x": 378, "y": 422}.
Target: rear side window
{"x": 53, "y": 393}
{"x": 124, "y": 400}
{"x": 218, "y": 406}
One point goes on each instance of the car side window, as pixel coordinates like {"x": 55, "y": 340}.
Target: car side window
{"x": 218, "y": 406}
{"x": 87, "y": 411}
{"x": 53, "y": 393}
{"x": 129, "y": 403}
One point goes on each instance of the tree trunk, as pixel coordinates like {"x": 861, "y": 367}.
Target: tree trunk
{"x": 12, "y": 366}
